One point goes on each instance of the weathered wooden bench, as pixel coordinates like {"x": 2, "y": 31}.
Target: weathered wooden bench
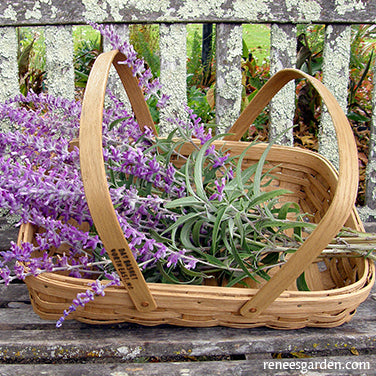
{"x": 55, "y": 20}
{"x": 30, "y": 346}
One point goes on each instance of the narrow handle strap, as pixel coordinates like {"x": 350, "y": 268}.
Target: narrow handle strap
{"x": 94, "y": 174}
{"x": 343, "y": 200}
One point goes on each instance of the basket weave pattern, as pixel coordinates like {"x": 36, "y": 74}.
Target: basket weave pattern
{"x": 338, "y": 285}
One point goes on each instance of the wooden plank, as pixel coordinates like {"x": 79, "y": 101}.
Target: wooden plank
{"x": 59, "y": 61}
{"x": 262, "y": 366}
{"x": 26, "y": 338}
{"x": 55, "y": 12}
{"x": 9, "y": 86}
{"x": 368, "y": 211}
{"x": 173, "y": 77}
{"x": 14, "y": 293}
{"x": 7, "y": 234}
{"x": 228, "y": 71}
{"x": 282, "y": 106}
{"x": 336, "y": 78}
{"x": 133, "y": 343}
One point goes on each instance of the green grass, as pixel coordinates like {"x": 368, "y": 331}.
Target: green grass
{"x": 257, "y": 39}
{"x": 84, "y": 33}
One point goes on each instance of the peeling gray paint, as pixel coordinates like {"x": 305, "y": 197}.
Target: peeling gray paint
{"x": 173, "y": 47}
{"x": 335, "y": 77}
{"x": 115, "y": 9}
{"x": 282, "y": 106}
{"x": 367, "y": 214}
{"x": 59, "y": 61}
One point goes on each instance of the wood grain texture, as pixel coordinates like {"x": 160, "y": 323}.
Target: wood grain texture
{"x": 31, "y": 346}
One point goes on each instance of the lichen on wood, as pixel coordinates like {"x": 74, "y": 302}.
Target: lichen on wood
{"x": 228, "y": 70}
{"x": 335, "y": 77}
{"x": 282, "y": 107}
{"x": 173, "y": 49}
{"x": 59, "y": 61}
{"x": 8, "y": 63}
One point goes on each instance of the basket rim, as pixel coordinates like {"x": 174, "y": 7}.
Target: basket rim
{"x": 366, "y": 281}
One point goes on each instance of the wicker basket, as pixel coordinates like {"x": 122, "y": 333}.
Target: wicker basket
{"x": 338, "y": 285}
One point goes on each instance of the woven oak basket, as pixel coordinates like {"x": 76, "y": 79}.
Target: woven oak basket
{"x": 337, "y": 285}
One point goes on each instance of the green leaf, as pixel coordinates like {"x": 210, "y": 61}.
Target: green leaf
{"x": 187, "y": 178}
{"x": 242, "y": 176}
{"x": 261, "y": 162}
{"x": 211, "y": 259}
{"x": 266, "y": 196}
{"x": 301, "y": 283}
{"x": 170, "y": 277}
{"x": 184, "y": 201}
{"x": 236, "y": 280}
{"x": 357, "y": 117}
{"x": 270, "y": 258}
{"x": 116, "y": 122}
{"x": 199, "y": 166}
{"x": 230, "y": 245}
{"x": 288, "y": 207}
{"x": 217, "y": 225}
{"x": 181, "y": 220}
{"x": 196, "y": 234}
{"x": 185, "y": 235}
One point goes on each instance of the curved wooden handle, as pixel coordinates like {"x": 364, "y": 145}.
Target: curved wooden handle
{"x": 103, "y": 213}
{"x": 94, "y": 174}
{"x": 343, "y": 200}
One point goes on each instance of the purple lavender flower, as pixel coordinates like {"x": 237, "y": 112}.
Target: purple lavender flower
{"x": 83, "y": 298}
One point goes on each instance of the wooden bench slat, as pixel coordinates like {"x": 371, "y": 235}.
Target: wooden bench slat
{"x": 173, "y": 50}
{"x": 335, "y": 68}
{"x": 228, "y": 74}
{"x": 368, "y": 211}
{"x": 21, "y": 330}
{"x": 131, "y": 343}
{"x": 56, "y": 12}
{"x": 262, "y": 366}
{"x": 283, "y": 55}
{"x": 59, "y": 61}
{"x": 9, "y": 86}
